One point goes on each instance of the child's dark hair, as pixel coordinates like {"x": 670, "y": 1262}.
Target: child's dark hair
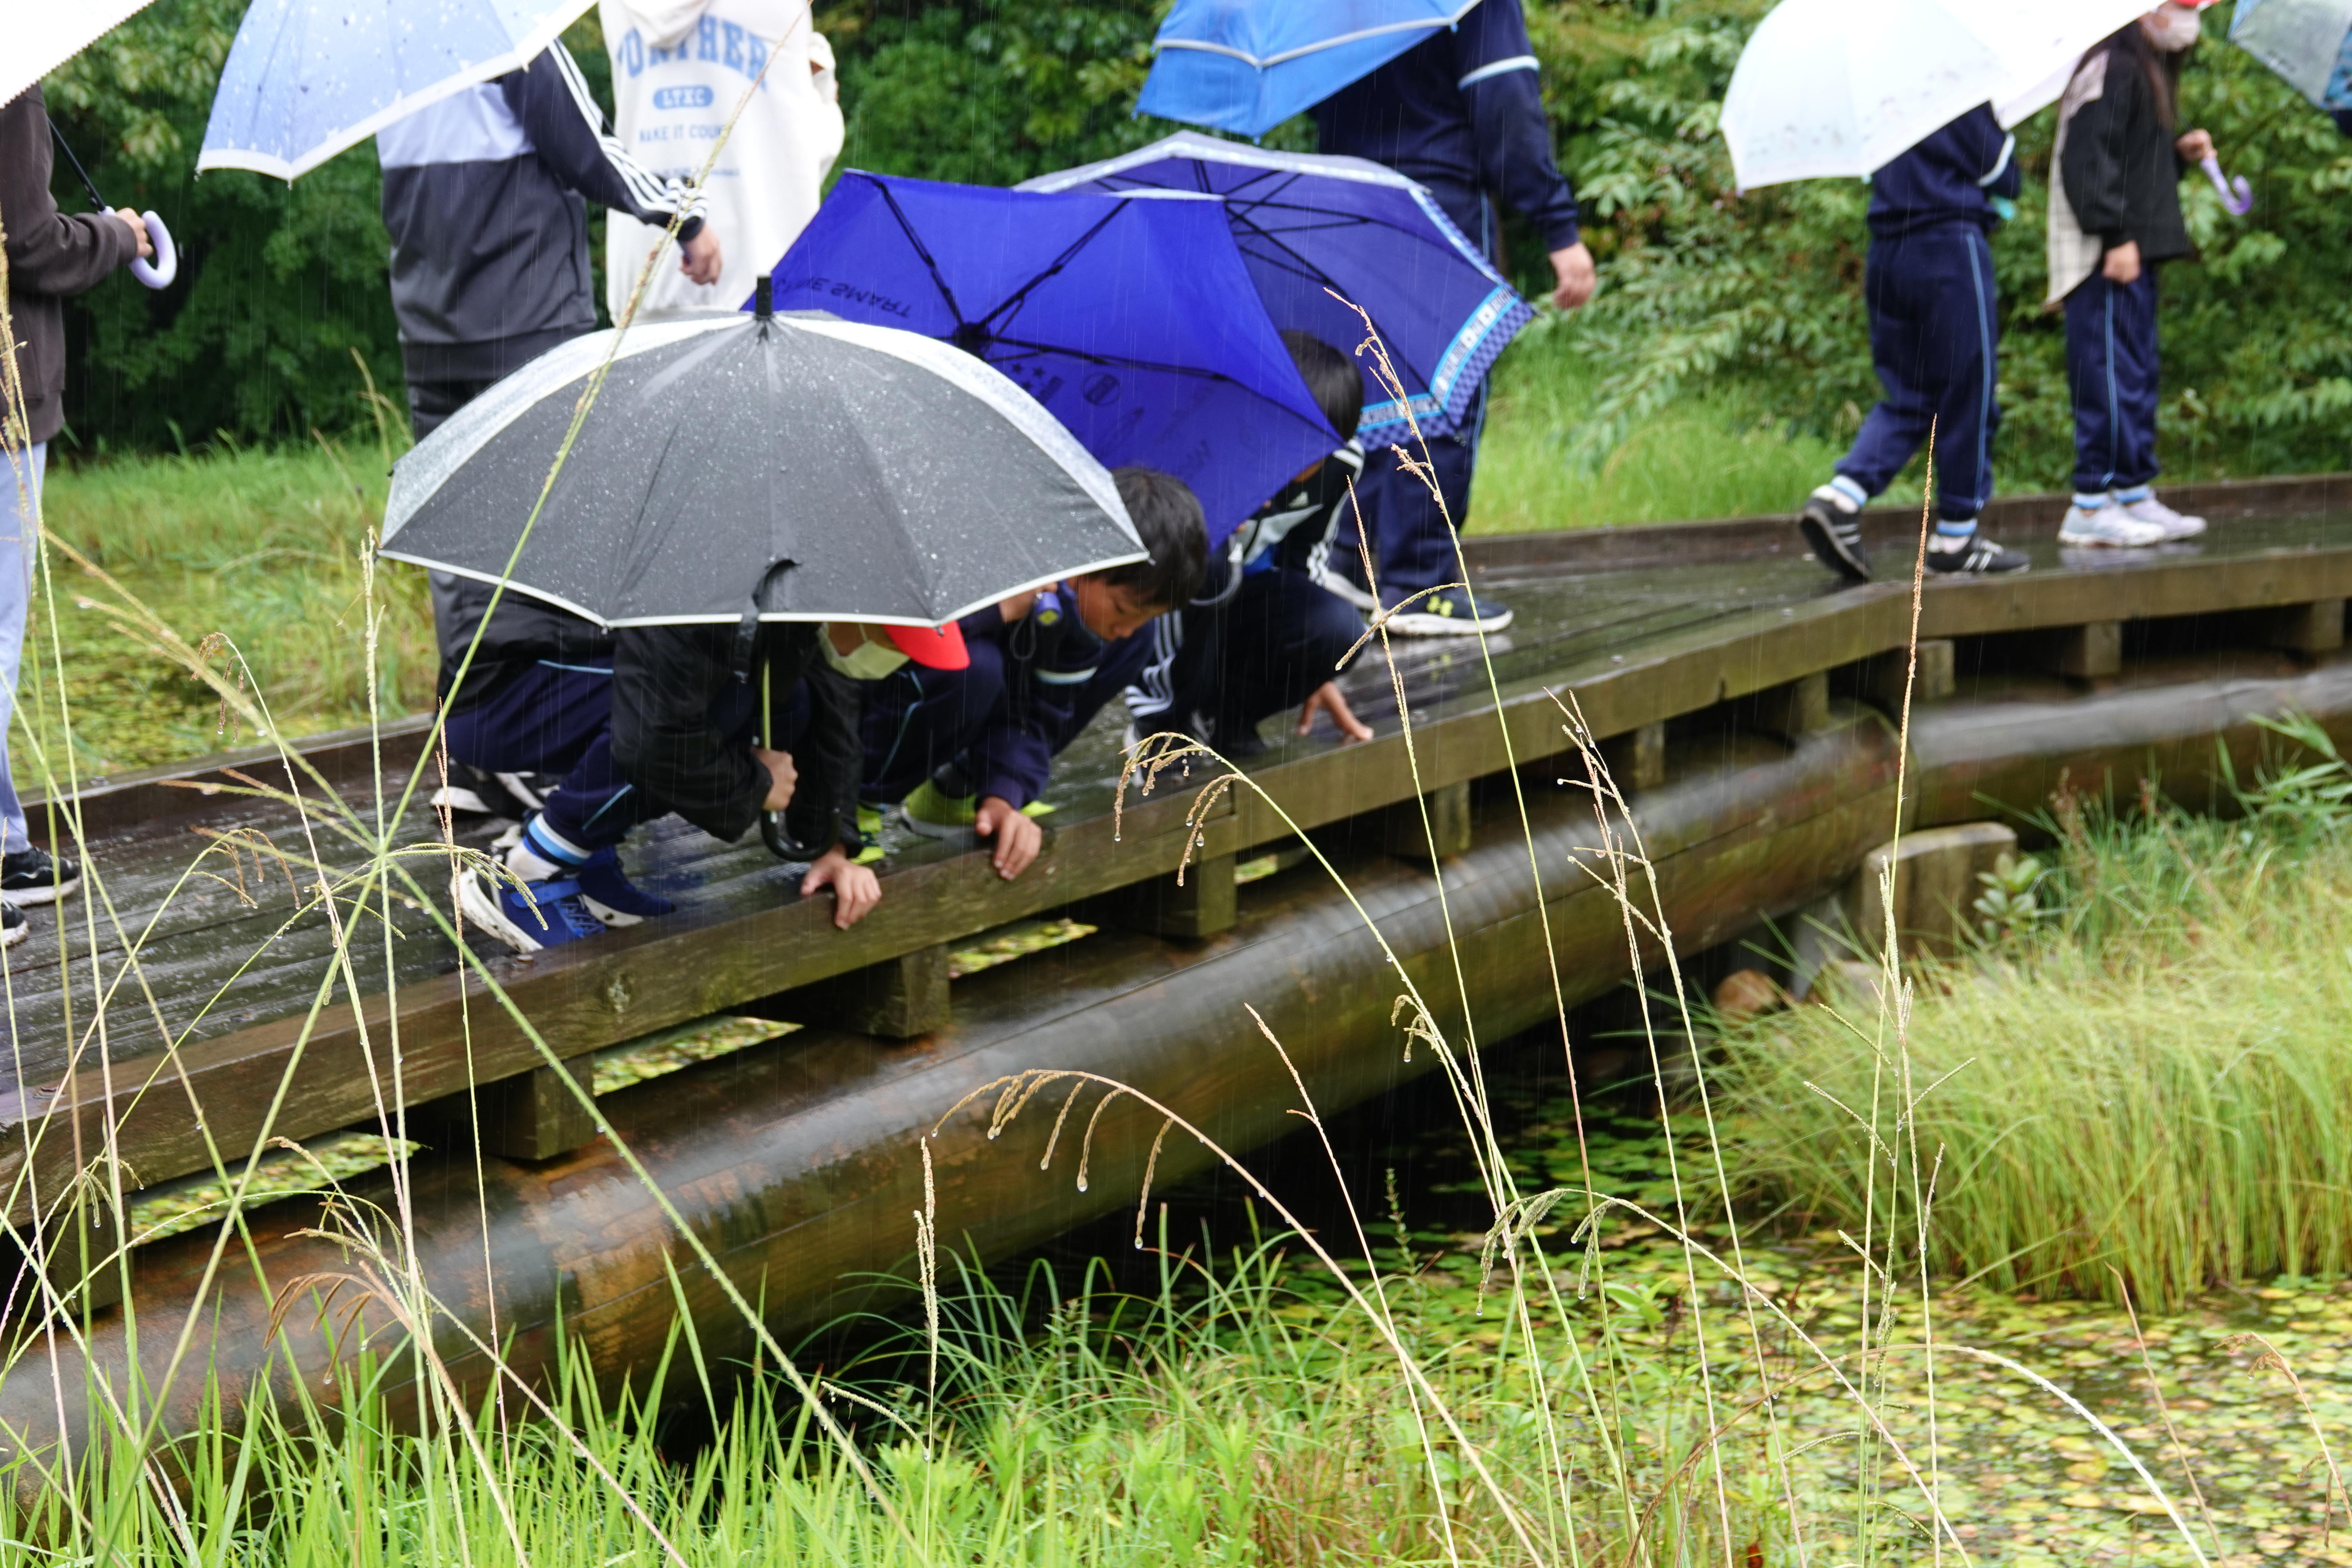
{"x": 2161, "y": 70}
{"x": 1338, "y": 389}
{"x": 1167, "y": 518}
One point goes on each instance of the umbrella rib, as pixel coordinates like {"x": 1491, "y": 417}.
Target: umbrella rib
{"x": 1020, "y": 296}
{"x": 1122, "y": 362}
{"x": 938, "y": 280}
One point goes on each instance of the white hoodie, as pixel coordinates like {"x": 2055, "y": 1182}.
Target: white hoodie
{"x": 680, "y": 68}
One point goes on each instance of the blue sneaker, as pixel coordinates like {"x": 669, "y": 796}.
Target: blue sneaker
{"x": 611, "y": 897}
{"x": 546, "y": 914}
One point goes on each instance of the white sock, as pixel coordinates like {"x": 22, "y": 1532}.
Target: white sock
{"x": 1848, "y": 489}
{"x": 543, "y": 853}
{"x": 1951, "y": 537}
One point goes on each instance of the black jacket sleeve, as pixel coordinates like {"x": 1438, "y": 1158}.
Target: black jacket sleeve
{"x": 2097, "y": 145}
{"x": 666, "y": 682}
{"x": 1508, "y": 125}
{"x": 828, "y": 757}
{"x": 552, "y": 100}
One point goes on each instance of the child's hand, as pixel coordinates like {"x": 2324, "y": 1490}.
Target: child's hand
{"x": 1574, "y": 275}
{"x": 137, "y": 226}
{"x": 2195, "y": 146}
{"x": 782, "y": 776}
{"x": 698, "y": 258}
{"x": 1327, "y": 699}
{"x": 1018, "y": 838}
{"x": 2122, "y": 263}
{"x": 1013, "y": 608}
{"x": 855, "y": 888}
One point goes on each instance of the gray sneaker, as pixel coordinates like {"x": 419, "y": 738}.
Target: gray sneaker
{"x": 2176, "y": 525}
{"x": 2108, "y": 525}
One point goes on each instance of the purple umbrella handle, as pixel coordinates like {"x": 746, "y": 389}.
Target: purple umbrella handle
{"x": 2236, "y": 194}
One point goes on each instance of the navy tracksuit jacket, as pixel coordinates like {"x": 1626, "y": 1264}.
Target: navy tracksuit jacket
{"x": 1934, "y": 317}
{"x": 1463, "y": 113}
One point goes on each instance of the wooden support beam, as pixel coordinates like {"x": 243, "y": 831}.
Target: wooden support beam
{"x": 77, "y": 1244}
{"x": 2309, "y": 629}
{"x": 897, "y": 999}
{"x": 1883, "y": 678}
{"x": 2091, "y": 651}
{"x": 535, "y": 1115}
{"x": 1636, "y": 760}
{"x": 1935, "y": 883}
{"x": 1798, "y": 707}
{"x": 1204, "y": 906}
{"x": 1408, "y": 835}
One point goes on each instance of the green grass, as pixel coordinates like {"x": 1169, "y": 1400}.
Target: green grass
{"x": 2145, "y": 1080}
{"x": 260, "y": 551}
{"x": 1711, "y": 455}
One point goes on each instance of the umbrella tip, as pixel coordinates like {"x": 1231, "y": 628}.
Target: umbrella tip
{"x": 763, "y": 297}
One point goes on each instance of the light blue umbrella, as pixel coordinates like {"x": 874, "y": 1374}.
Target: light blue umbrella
{"x": 307, "y": 78}
{"x": 2308, "y": 42}
{"x": 1247, "y": 65}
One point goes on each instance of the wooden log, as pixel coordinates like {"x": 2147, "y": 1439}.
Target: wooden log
{"x": 1636, "y": 760}
{"x": 2091, "y": 651}
{"x": 1435, "y": 826}
{"x": 1203, "y": 905}
{"x": 1933, "y": 876}
{"x": 1886, "y": 678}
{"x": 536, "y": 1115}
{"x": 2309, "y": 629}
{"x": 897, "y": 999}
{"x": 1794, "y": 707}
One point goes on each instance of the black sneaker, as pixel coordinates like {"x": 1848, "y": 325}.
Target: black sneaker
{"x": 1451, "y": 612}
{"x": 472, "y": 791}
{"x": 14, "y": 925}
{"x": 34, "y": 875}
{"x": 1978, "y": 556}
{"x": 1832, "y": 524}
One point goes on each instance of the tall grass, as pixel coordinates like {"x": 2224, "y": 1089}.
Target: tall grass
{"x": 2141, "y": 1083}
{"x": 259, "y": 548}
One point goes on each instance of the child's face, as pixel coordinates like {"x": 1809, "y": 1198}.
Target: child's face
{"x": 1110, "y": 612}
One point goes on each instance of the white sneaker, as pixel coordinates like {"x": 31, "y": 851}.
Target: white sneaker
{"x": 2149, "y": 509}
{"x": 2108, "y": 525}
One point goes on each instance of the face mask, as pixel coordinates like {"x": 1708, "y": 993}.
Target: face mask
{"x": 2172, "y": 28}
{"x": 868, "y": 660}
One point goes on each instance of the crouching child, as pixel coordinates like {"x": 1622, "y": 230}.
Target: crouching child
{"x": 717, "y": 724}
{"x": 971, "y": 750}
{"x": 1263, "y": 634}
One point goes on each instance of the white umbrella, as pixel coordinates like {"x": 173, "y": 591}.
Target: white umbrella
{"x": 2308, "y": 42}
{"x": 43, "y": 37}
{"x": 1827, "y": 89}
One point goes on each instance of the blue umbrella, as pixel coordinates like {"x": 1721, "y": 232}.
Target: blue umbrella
{"x": 1132, "y": 320}
{"x": 1312, "y": 226}
{"x": 307, "y": 78}
{"x": 1247, "y": 65}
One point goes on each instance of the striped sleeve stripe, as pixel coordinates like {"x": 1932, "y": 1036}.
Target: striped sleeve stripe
{"x": 651, "y": 194}
{"x": 1516, "y": 63}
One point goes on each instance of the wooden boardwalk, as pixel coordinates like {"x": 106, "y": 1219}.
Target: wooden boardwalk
{"x": 209, "y": 979}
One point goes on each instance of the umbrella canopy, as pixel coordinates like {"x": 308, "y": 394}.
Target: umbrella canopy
{"x": 305, "y": 79}
{"x": 822, "y": 470}
{"x": 2308, "y": 42}
{"x": 1132, "y": 320}
{"x": 1837, "y": 88}
{"x": 1247, "y": 65}
{"x": 43, "y": 37}
{"x": 1310, "y": 226}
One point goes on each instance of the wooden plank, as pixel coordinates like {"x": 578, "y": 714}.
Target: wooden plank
{"x": 2088, "y": 652}
{"x": 2309, "y": 629}
{"x": 897, "y": 999}
{"x": 1436, "y": 826}
{"x": 535, "y": 1115}
{"x": 1637, "y": 758}
{"x": 1793, "y": 707}
{"x": 1886, "y": 678}
{"x": 1203, "y": 904}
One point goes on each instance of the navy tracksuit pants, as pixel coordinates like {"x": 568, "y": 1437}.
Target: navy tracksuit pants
{"x": 1261, "y": 652}
{"x": 1933, "y": 322}
{"x": 558, "y": 718}
{"x": 917, "y": 720}
{"x": 2111, "y": 370}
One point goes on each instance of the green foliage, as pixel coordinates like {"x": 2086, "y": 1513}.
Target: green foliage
{"x": 1759, "y": 294}
{"x": 280, "y": 286}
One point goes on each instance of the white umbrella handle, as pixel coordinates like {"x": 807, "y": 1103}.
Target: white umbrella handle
{"x": 158, "y": 273}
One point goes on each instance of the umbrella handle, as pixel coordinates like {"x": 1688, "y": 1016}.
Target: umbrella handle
{"x": 773, "y": 831}
{"x": 158, "y": 273}
{"x": 2237, "y": 196}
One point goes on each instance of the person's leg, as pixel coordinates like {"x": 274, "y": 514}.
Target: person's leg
{"x": 2099, "y": 327}
{"x": 1413, "y": 538}
{"x": 542, "y": 721}
{"x": 2136, "y": 372}
{"x": 28, "y": 875}
{"x": 918, "y": 720}
{"x": 1967, "y": 411}
{"x": 1180, "y": 673}
{"x": 1900, "y": 304}
{"x": 1284, "y": 636}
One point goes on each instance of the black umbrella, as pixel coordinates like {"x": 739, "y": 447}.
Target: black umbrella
{"x": 825, "y": 469}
